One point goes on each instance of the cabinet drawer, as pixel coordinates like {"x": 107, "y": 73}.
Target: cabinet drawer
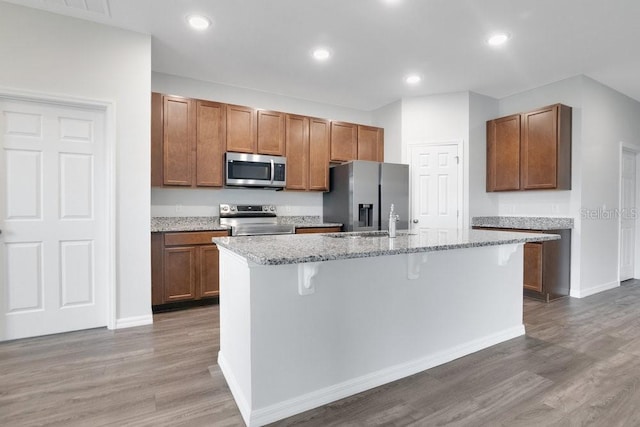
{"x": 192, "y": 237}
{"x": 311, "y": 230}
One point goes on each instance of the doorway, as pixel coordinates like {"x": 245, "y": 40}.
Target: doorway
{"x": 55, "y": 217}
{"x": 437, "y": 185}
{"x": 628, "y": 213}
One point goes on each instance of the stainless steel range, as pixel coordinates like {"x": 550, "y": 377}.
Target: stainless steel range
{"x": 253, "y": 220}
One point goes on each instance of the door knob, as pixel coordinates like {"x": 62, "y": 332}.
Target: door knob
{"x": 415, "y": 221}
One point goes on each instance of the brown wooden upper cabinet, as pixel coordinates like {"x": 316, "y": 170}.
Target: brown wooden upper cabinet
{"x": 546, "y": 148}
{"x": 178, "y": 119}
{"x": 271, "y": 135}
{"x": 530, "y": 151}
{"x": 241, "y": 129}
{"x": 210, "y": 144}
{"x": 307, "y": 148}
{"x": 187, "y": 142}
{"x": 503, "y": 153}
{"x": 297, "y": 143}
{"x": 356, "y": 142}
{"x": 344, "y": 141}
{"x": 370, "y": 143}
{"x": 319, "y": 148}
{"x": 189, "y": 138}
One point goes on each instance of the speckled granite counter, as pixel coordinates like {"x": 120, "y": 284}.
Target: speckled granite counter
{"x": 185, "y": 223}
{"x": 307, "y": 221}
{"x": 523, "y": 222}
{"x": 294, "y": 249}
{"x": 207, "y": 223}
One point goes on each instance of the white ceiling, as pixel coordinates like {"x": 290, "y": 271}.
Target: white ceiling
{"x": 266, "y": 44}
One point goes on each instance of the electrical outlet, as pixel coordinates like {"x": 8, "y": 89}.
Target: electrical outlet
{"x": 178, "y": 208}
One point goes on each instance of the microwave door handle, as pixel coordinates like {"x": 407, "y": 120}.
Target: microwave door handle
{"x": 273, "y": 171}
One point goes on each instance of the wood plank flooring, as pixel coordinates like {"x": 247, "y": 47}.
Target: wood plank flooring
{"x": 578, "y": 365}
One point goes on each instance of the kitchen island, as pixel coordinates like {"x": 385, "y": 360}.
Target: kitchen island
{"x": 309, "y": 319}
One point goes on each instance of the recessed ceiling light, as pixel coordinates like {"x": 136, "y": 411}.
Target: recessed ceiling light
{"x": 413, "y": 79}
{"x": 199, "y": 22}
{"x": 498, "y": 39}
{"x": 321, "y": 54}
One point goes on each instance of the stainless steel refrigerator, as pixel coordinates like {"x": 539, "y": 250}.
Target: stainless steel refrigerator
{"x": 361, "y": 193}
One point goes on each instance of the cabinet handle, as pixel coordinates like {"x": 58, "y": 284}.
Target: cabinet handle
{"x": 273, "y": 172}
{"x": 415, "y": 221}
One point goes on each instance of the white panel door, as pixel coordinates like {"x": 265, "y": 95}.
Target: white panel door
{"x": 435, "y": 198}
{"x": 53, "y": 246}
{"x": 628, "y": 215}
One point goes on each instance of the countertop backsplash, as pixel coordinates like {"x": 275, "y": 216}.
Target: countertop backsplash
{"x": 202, "y": 202}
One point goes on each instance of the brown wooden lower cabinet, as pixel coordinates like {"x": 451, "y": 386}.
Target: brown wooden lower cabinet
{"x": 532, "y": 279}
{"x": 310, "y": 230}
{"x": 547, "y": 265}
{"x": 184, "y": 266}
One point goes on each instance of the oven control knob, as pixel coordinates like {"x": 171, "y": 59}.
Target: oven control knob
{"x": 272, "y": 208}
{"x": 225, "y": 208}
{"x": 233, "y": 208}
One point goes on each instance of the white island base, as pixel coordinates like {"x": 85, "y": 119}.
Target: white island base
{"x": 297, "y": 336}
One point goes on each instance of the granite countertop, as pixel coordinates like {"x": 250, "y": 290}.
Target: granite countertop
{"x": 212, "y": 223}
{"x": 301, "y": 248}
{"x": 523, "y": 222}
{"x": 185, "y": 223}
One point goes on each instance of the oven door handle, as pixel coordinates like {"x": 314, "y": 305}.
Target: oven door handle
{"x": 273, "y": 171}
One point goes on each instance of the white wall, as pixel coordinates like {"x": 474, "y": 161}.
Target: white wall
{"x": 481, "y": 109}
{"x": 204, "y": 202}
{"x": 438, "y": 118}
{"x": 609, "y": 118}
{"x": 602, "y": 119}
{"x": 552, "y": 203}
{"x": 389, "y": 117}
{"x": 56, "y": 55}
{"x": 547, "y": 203}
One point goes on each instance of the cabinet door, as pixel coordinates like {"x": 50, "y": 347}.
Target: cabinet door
{"x": 533, "y": 266}
{"x": 546, "y": 148}
{"x": 156, "y": 140}
{"x": 344, "y": 141}
{"x": 210, "y": 144}
{"x": 178, "y": 134}
{"x": 297, "y": 143}
{"x": 313, "y": 230}
{"x": 540, "y": 149}
{"x": 209, "y": 276}
{"x": 241, "y": 129}
{"x": 271, "y": 133}
{"x": 370, "y": 143}
{"x": 503, "y": 153}
{"x": 179, "y": 273}
{"x": 157, "y": 269}
{"x": 319, "y": 141}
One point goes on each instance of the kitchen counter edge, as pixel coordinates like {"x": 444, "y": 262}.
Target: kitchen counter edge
{"x": 303, "y": 248}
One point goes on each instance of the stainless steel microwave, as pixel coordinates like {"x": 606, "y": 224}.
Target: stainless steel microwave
{"x": 255, "y": 170}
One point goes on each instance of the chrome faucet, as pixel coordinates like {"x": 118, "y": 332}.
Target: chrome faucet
{"x": 392, "y": 222}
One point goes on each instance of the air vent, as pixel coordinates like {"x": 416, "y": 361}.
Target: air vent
{"x": 100, "y": 7}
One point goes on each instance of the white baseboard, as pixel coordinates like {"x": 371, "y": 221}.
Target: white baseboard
{"x": 236, "y": 390}
{"x": 582, "y": 293}
{"x": 287, "y": 408}
{"x": 129, "y": 322}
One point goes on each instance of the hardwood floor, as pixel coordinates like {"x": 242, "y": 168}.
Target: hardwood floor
{"x": 578, "y": 365}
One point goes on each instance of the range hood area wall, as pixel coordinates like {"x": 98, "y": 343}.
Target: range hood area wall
{"x": 204, "y": 201}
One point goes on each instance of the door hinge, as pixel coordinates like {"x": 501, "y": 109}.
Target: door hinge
{"x": 457, "y": 160}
